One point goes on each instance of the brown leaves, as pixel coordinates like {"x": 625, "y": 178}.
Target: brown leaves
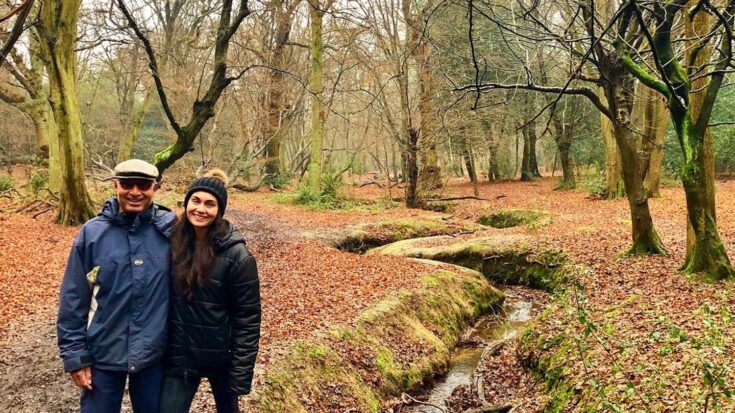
{"x": 33, "y": 256}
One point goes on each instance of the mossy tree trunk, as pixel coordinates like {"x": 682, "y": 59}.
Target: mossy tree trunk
{"x": 418, "y": 46}
{"x": 619, "y": 94}
{"x": 46, "y": 133}
{"x": 36, "y": 104}
{"x": 694, "y": 24}
{"x": 430, "y": 175}
{"x": 58, "y": 33}
{"x": 614, "y": 187}
{"x": 316, "y": 89}
{"x": 203, "y": 107}
{"x": 127, "y": 143}
{"x": 652, "y": 116}
{"x": 706, "y": 253}
{"x": 274, "y": 103}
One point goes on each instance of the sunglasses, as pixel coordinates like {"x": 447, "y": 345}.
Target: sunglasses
{"x": 142, "y": 184}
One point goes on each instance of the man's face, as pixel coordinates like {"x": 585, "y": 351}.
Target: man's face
{"x": 135, "y": 195}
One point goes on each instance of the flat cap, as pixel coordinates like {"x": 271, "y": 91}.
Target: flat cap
{"x": 135, "y": 169}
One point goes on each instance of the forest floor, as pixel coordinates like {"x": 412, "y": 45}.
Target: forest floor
{"x": 658, "y": 328}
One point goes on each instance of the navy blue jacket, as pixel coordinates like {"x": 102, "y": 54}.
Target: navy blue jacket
{"x": 128, "y": 263}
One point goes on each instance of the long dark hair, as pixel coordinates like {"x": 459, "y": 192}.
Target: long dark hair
{"x": 192, "y": 260}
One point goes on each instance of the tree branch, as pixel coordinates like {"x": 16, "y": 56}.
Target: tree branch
{"x": 581, "y": 91}
{"x": 24, "y": 8}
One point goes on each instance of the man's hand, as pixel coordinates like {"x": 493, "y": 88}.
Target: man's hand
{"x": 83, "y": 377}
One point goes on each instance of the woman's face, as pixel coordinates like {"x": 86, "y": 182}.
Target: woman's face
{"x": 202, "y": 209}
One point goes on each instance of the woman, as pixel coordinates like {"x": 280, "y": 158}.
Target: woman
{"x": 214, "y": 320}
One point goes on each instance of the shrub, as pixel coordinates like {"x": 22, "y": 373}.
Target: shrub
{"x": 328, "y": 198}
{"x": 39, "y": 180}
{"x": 6, "y": 183}
{"x": 595, "y": 184}
{"x": 279, "y": 180}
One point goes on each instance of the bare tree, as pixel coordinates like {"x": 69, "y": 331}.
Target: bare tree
{"x": 203, "y": 107}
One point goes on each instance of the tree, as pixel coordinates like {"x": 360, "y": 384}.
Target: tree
{"x": 58, "y": 34}
{"x": 34, "y": 103}
{"x": 419, "y": 48}
{"x": 317, "y": 10}
{"x": 674, "y": 76}
{"x": 616, "y": 85}
{"x": 273, "y": 101}
{"x": 203, "y": 107}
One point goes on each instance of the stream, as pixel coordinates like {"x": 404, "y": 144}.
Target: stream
{"x": 503, "y": 324}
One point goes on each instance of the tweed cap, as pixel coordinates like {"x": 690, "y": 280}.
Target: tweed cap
{"x": 135, "y": 169}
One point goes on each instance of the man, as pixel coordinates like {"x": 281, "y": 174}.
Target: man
{"x": 114, "y": 296}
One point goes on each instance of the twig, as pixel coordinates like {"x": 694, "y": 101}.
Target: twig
{"x": 456, "y": 198}
{"x": 42, "y": 212}
{"x": 406, "y": 399}
{"x": 371, "y": 182}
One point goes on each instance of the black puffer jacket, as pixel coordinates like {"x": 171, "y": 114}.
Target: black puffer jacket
{"x": 219, "y": 327}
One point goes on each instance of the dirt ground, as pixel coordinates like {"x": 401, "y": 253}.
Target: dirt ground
{"x": 306, "y": 285}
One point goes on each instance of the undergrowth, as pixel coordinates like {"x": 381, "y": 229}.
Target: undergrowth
{"x": 330, "y": 196}
{"x": 6, "y": 183}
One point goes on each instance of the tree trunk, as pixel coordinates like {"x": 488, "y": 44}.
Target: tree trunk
{"x": 652, "y": 117}
{"x": 43, "y": 123}
{"x": 532, "y": 159}
{"x": 58, "y": 28}
{"x": 469, "y": 158}
{"x": 273, "y": 127}
{"x": 316, "y": 86}
{"x": 411, "y": 170}
{"x": 645, "y": 238}
{"x": 705, "y": 251}
{"x": 614, "y": 187}
{"x": 430, "y": 175}
{"x": 493, "y": 169}
{"x": 564, "y": 135}
{"x": 127, "y": 144}
{"x": 619, "y": 94}
{"x": 529, "y": 139}
{"x": 568, "y": 181}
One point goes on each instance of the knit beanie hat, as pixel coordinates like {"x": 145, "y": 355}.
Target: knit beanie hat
{"x": 213, "y": 182}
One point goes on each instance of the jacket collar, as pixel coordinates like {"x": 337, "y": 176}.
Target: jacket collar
{"x": 162, "y": 218}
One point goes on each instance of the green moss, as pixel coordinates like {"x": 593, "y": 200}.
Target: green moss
{"x": 365, "y": 237}
{"x": 515, "y": 217}
{"x": 307, "y": 377}
{"x": 404, "y": 341}
{"x": 502, "y": 259}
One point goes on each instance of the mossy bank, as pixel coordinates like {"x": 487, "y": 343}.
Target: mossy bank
{"x": 503, "y": 259}
{"x": 395, "y": 346}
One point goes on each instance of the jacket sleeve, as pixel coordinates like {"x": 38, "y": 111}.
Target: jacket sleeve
{"x": 244, "y": 299}
{"x": 74, "y": 301}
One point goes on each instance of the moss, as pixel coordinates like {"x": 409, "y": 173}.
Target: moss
{"x": 365, "y": 237}
{"x": 515, "y": 217}
{"x": 394, "y": 346}
{"x": 502, "y": 259}
{"x": 306, "y": 379}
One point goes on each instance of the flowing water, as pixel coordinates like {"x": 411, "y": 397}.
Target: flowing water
{"x": 504, "y": 324}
